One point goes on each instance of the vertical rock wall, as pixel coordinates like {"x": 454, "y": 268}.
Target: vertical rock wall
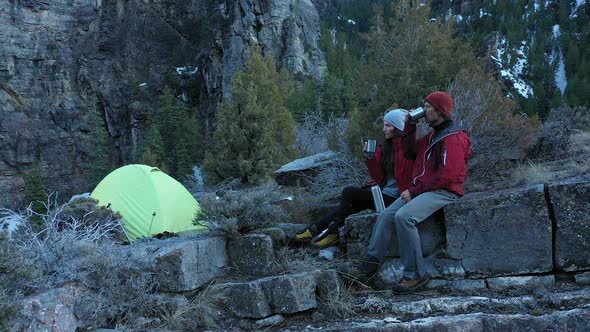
{"x": 63, "y": 63}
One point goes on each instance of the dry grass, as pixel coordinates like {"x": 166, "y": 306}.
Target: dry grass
{"x": 73, "y": 244}
{"x": 532, "y": 173}
{"x": 341, "y": 305}
{"x": 237, "y": 212}
{"x": 289, "y": 260}
{"x": 374, "y": 305}
{"x": 580, "y": 141}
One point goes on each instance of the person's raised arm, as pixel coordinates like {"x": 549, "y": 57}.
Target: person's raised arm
{"x": 409, "y": 139}
{"x": 374, "y": 165}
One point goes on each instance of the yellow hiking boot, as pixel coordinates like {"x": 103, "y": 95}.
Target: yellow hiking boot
{"x": 303, "y": 236}
{"x": 326, "y": 241}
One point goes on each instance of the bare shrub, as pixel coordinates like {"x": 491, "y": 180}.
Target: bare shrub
{"x": 14, "y": 281}
{"x": 346, "y": 170}
{"x": 581, "y": 118}
{"x": 315, "y": 134}
{"x": 554, "y": 139}
{"x": 340, "y": 304}
{"x": 498, "y": 136}
{"x": 237, "y": 212}
{"x": 200, "y": 312}
{"x": 73, "y": 245}
{"x": 289, "y": 260}
{"x": 374, "y": 305}
{"x": 58, "y": 250}
{"x": 58, "y": 246}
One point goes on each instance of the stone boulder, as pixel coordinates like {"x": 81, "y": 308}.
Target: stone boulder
{"x": 501, "y": 233}
{"x": 180, "y": 264}
{"x": 301, "y": 171}
{"x": 251, "y": 254}
{"x": 359, "y": 228}
{"x": 571, "y": 206}
{"x": 52, "y": 310}
{"x": 285, "y": 294}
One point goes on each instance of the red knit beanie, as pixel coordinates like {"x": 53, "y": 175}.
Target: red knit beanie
{"x": 441, "y": 101}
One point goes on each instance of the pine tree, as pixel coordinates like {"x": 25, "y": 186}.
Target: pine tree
{"x": 35, "y": 191}
{"x": 255, "y": 132}
{"x": 153, "y": 152}
{"x": 305, "y": 99}
{"x": 174, "y": 141}
{"x": 100, "y": 155}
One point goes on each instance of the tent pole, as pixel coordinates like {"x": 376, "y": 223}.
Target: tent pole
{"x": 151, "y": 223}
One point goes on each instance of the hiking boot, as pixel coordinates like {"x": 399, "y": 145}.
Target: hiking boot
{"x": 305, "y": 235}
{"x": 407, "y": 285}
{"x": 325, "y": 241}
{"x": 363, "y": 273}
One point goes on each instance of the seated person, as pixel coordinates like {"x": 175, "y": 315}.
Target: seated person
{"x": 438, "y": 175}
{"x": 388, "y": 168}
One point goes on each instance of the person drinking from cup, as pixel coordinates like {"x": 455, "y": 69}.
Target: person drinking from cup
{"x": 387, "y": 167}
{"x": 438, "y": 175}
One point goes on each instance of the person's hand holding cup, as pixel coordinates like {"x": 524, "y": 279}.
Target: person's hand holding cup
{"x": 369, "y": 148}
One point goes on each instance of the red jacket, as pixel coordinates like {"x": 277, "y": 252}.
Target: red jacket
{"x": 440, "y": 158}
{"x": 402, "y": 167}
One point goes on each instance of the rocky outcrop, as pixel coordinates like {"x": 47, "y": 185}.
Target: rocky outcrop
{"x": 516, "y": 232}
{"x": 179, "y": 264}
{"x": 53, "y": 310}
{"x": 302, "y": 171}
{"x": 502, "y": 233}
{"x": 359, "y": 227}
{"x": 285, "y": 294}
{"x": 532, "y": 287}
{"x": 570, "y": 202}
{"x": 70, "y": 71}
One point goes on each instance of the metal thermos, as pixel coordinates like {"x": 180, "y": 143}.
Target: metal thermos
{"x": 378, "y": 198}
{"x": 417, "y": 114}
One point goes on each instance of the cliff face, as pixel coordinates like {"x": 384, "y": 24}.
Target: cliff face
{"x": 64, "y": 63}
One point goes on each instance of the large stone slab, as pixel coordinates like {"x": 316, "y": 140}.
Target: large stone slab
{"x": 301, "y": 171}
{"x": 571, "y": 205}
{"x": 243, "y": 299}
{"x": 360, "y": 226}
{"x": 52, "y": 310}
{"x": 181, "y": 264}
{"x": 391, "y": 271}
{"x": 521, "y": 283}
{"x": 285, "y": 294}
{"x": 502, "y": 233}
{"x": 251, "y": 254}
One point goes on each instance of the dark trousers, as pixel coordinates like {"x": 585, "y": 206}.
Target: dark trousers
{"x": 353, "y": 200}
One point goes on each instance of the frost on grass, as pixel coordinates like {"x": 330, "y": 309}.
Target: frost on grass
{"x": 81, "y": 243}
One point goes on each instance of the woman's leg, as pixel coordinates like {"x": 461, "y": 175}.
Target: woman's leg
{"x": 353, "y": 200}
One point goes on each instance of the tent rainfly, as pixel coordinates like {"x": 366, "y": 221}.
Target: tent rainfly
{"x": 149, "y": 200}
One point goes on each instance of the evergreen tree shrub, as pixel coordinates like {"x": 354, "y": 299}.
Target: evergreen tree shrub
{"x": 174, "y": 142}
{"x": 100, "y": 154}
{"x": 255, "y": 133}
{"x": 35, "y": 190}
{"x": 408, "y": 57}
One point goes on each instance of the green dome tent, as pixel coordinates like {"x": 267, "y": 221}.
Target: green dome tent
{"x": 150, "y": 201}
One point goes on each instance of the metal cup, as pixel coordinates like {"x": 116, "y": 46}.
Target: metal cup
{"x": 417, "y": 114}
{"x": 371, "y": 146}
